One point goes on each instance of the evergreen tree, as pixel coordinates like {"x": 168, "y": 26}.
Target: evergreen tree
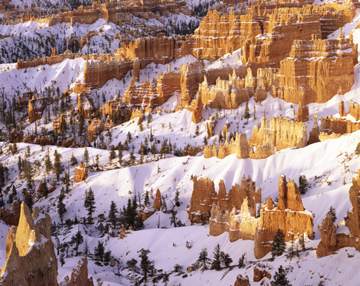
{"x": 99, "y": 252}
{"x": 112, "y": 217}
{"x": 146, "y": 265}
{"x": 57, "y": 164}
{"x": 28, "y": 172}
{"x": 216, "y": 263}
{"x": 177, "y": 199}
{"x": 73, "y": 160}
{"x": 77, "y": 239}
{"x": 280, "y": 278}
{"x": 203, "y": 260}
{"x": 146, "y": 199}
{"x": 225, "y": 259}
{"x": 61, "y": 209}
{"x": 48, "y": 163}
{"x": 112, "y": 154}
{"x": 86, "y": 156}
{"x": 332, "y": 213}
{"x": 241, "y": 262}
{"x": 28, "y": 199}
{"x": 89, "y": 204}
{"x": 303, "y": 184}
{"x": 278, "y": 244}
{"x": 247, "y": 111}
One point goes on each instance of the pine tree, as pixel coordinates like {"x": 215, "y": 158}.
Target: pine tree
{"x": 332, "y": 213}
{"x": 225, "y": 259}
{"x": 61, "y": 209}
{"x": 86, "y": 156}
{"x": 146, "y": 199}
{"x": 28, "y": 172}
{"x": 112, "y": 217}
{"x": 99, "y": 252}
{"x": 203, "y": 259}
{"x": 278, "y": 244}
{"x": 303, "y": 184}
{"x": 280, "y": 278}
{"x": 77, "y": 239}
{"x": 241, "y": 262}
{"x": 57, "y": 164}
{"x": 89, "y": 204}
{"x": 247, "y": 111}
{"x": 216, "y": 263}
{"x": 177, "y": 199}
{"x": 48, "y": 163}
{"x": 112, "y": 154}
{"x": 146, "y": 265}
{"x": 73, "y": 160}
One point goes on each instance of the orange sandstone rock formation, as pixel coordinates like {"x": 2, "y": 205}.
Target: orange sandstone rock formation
{"x": 81, "y": 173}
{"x": 79, "y": 275}
{"x": 240, "y": 219}
{"x": 29, "y": 248}
{"x": 330, "y": 240}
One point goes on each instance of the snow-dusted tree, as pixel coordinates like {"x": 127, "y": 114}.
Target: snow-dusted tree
{"x": 61, "y": 209}
{"x": 203, "y": 260}
{"x": 278, "y": 244}
{"x": 112, "y": 217}
{"x": 216, "y": 262}
{"x": 89, "y": 204}
{"x": 280, "y": 278}
{"x": 146, "y": 265}
{"x": 57, "y": 164}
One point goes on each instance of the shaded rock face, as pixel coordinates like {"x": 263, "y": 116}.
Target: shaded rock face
{"x": 10, "y": 214}
{"x": 205, "y": 200}
{"x": 330, "y": 240}
{"x": 260, "y": 273}
{"x": 79, "y": 275}
{"x": 29, "y": 248}
{"x": 242, "y": 281}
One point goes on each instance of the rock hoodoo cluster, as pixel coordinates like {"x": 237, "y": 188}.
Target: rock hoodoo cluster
{"x": 330, "y": 240}
{"x": 238, "y": 212}
{"x": 29, "y": 248}
{"x": 79, "y": 276}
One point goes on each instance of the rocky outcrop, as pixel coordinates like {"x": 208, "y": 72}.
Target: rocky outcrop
{"x": 157, "y": 201}
{"x": 29, "y": 248}
{"x": 276, "y": 134}
{"x": 316, "y": 70}
{"x": 242, "y": 281}
{"x": 10, "y": 213}
{"x": 202, "y": 198}
{"x": 334, "y": 127}
{"x": 238, "y": 146}
{"x": 152, "y": 94}
{"x": 330, "y": 240}
{"x": 80, "y": 173}
{"x": 238, "y": 212}
{"x": 260, "y": 272}
{"x": 79, "y": 275}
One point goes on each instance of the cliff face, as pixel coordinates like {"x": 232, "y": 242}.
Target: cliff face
{"x": 316, "y": 70}
{"x": 219, "y": 34}
{"x": 29, "y": 248}
{"x": 276, "y": 134}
